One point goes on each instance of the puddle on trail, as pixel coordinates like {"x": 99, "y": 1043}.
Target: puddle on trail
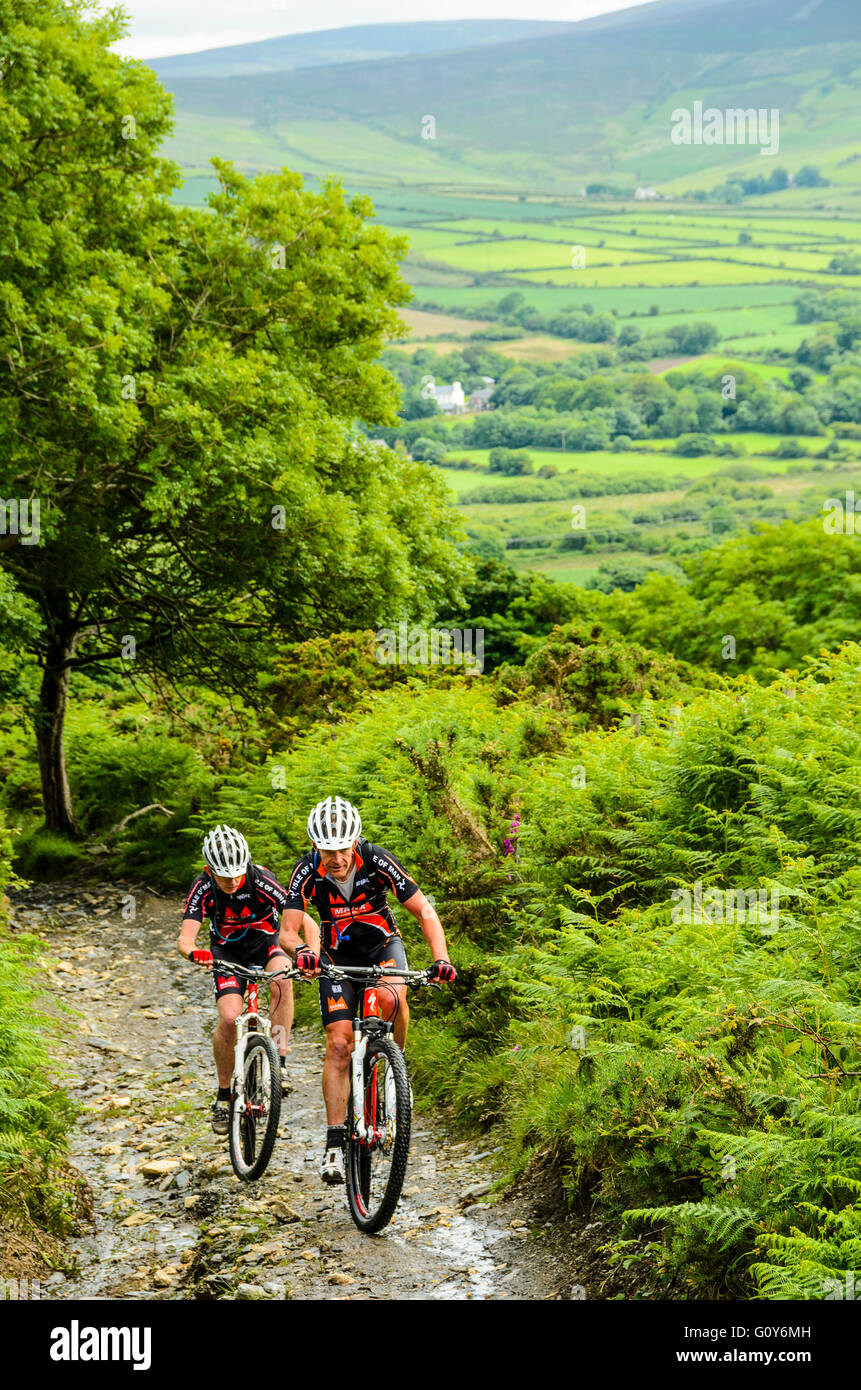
{"x": 464, "y": 1246}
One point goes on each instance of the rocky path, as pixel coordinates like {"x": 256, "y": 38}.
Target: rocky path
{"x": 171, "y": 1221}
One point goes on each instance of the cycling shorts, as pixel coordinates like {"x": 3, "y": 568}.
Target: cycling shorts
{"x": 260, "y": 953}
{"x": 340, "y": 1000}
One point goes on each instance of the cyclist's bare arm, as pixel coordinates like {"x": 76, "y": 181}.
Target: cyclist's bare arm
{"x": 292, "y": 922}
{"x": 288, "y": 933}
{"x": 430, "y": 924}
{"x": 187, "y": 936}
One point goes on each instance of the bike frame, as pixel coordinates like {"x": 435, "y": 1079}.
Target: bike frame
{"x": 369, "y": 1021}
{"x": 249, "y": 1021}
{"x": 368, "y": 1009}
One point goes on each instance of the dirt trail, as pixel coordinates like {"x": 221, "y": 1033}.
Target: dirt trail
{"x": 140, "y": 1062}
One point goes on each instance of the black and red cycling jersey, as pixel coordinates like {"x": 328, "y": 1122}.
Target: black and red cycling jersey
{"x": 245, "y": 917}
{"x": 362, "y": 922}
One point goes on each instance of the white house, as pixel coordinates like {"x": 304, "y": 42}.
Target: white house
{"x": 643, "y": 193}
{"x": 450, "y": 399}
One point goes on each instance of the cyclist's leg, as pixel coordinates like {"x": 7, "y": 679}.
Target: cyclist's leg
{"x": 337, "y": 1010}
{"x": 281, "y": 1001}
{"x": 336, "y": 1089}
{"x": 391, "y": 993}
{"x": 229, "y": 992}
{"x": 336, "y": 1070}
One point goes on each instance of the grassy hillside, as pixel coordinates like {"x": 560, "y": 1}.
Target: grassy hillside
{"x": 504, "y": 113}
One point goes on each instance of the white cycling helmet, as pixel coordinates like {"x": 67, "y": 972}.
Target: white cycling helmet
{"x": 226, "y": 852}
{"x": 334, "y": 824}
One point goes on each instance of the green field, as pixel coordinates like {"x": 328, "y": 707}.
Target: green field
{"x": 668, "y": 272}
{"x": 548, "y": 523}
{"x": 627, "y": 301}
{"x": 652, "y": 456}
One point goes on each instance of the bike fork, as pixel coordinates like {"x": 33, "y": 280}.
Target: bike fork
{"x": 360, "y": 1047}
{"x": 243, "y": 1024}
{"x": 239, "y": 1062}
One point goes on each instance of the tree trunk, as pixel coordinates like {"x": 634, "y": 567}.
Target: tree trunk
{"x": 50, "y": 721}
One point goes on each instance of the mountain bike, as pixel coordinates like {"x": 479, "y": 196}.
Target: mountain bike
{"x": 255, "y": 1086}
{"x": 379, "y": 1105}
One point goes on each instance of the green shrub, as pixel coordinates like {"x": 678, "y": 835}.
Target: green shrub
{"x": 38, "y": 1190}
{"x": 44, "y": 856}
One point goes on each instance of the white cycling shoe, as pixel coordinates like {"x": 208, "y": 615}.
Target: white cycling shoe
{"x": 332, "y": 1168}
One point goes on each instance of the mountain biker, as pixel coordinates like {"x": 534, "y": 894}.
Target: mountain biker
{"x": 243, "y": 902}
{"x": 347, "y": 879}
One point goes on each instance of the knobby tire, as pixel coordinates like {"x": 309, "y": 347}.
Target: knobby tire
{"x": 249, "y": 1163}
{"x": 369, "y": 1216}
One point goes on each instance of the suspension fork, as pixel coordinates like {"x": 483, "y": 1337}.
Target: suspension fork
{"x": 369, "y": 1008}
{"x": 357, "y": 1063}
{"x": 247, "y": 1022}
{"x": 239, "y": 1062}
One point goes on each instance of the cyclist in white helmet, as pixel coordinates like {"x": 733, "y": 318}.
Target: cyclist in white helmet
{"x": 348, "y": 879}
{"x": 245, "y": 904}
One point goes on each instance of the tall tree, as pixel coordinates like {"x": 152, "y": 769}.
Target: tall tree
{"x": 178, "y": 391}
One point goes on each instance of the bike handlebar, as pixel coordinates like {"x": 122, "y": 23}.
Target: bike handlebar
{"x": 253, "y": 972}
{"x": 414, "y": 979}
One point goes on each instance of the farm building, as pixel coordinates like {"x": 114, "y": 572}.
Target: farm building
{"x": 450, "y": 399}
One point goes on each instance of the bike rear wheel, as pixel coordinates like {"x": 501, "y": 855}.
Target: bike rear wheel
{"x": 253, "y": 1130}
{"x": 376, "y": 1165}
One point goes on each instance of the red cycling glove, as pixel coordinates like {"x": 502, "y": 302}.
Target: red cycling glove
{"x": 442, "y": 970}
{"x": 200, "y": 957}
{"x": 307, "y": 960}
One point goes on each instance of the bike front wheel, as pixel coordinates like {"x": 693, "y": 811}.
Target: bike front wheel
{"x": 253, "y": 1130}
{"x": 376, "y": 1164}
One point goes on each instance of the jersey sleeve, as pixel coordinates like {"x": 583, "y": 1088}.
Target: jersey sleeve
{"x": 197, "y": 906}
{"x": 393, "y": 874}
{"x": 300, "y": 886}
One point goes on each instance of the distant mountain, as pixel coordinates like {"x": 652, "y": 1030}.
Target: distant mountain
{"x": 351, "y": 45}
{"x": 587, "y": 100}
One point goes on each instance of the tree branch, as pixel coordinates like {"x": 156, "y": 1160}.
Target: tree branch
{"x": 120, "y": 825}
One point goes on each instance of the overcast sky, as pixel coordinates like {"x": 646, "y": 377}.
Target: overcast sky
{"x": 160, "y": 27}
